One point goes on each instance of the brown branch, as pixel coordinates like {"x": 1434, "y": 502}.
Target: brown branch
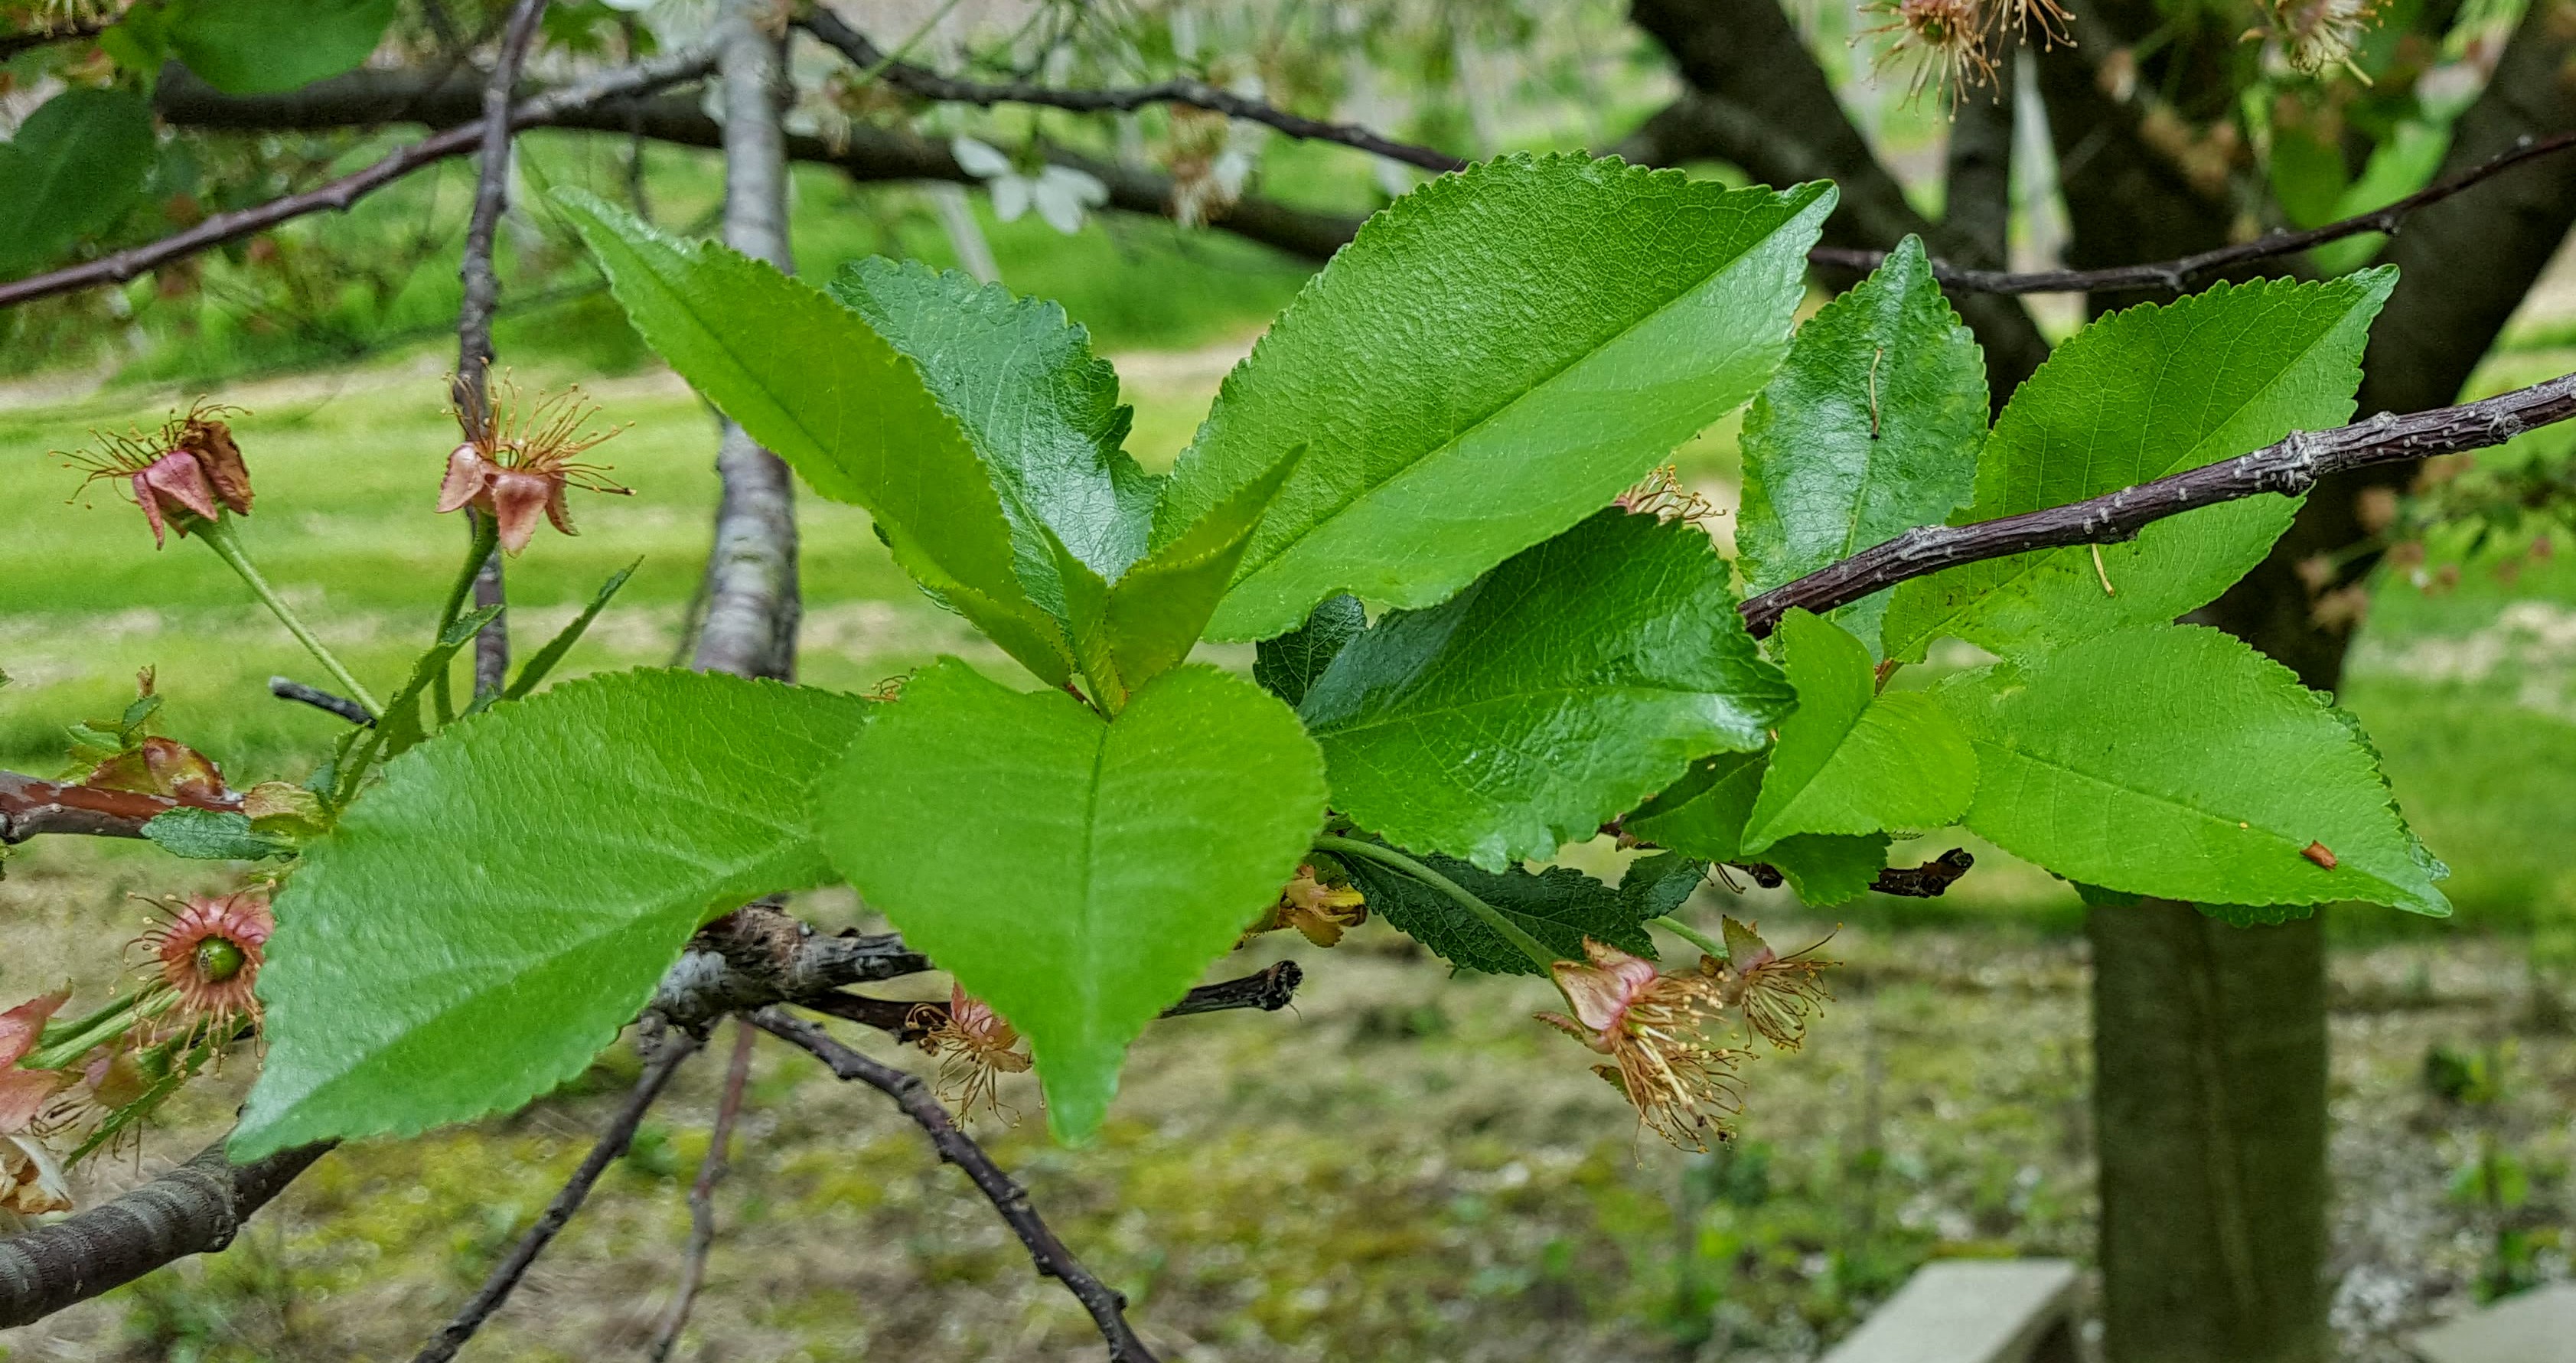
{"x": 908, "y": 1021}
{"x": 676, "y": 1047}
{"x": 702, "y": 1196}
{"x": 287, "y": 688}
{"x": 2176, "y": 276}
{"x": 1106, "y": 1305}
{"x": 757, "y": 956}
{"x": 481, "y": 286}
{"x": 930, "y": 85}
{"x": 196, "y": 1208}
{"x": 867, "y": 153}
{"x": 1930, "y": 880}
{"x": 11, "y": 44}
{"x": 29, "y": 806}
{"x": 2289, "y": 467}
{"x": 339, "y": 194}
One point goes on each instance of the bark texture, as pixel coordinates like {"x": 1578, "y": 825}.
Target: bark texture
{"x": 2209, "y": 1049}
{"x": 752, "y": 601}
{"x": 194, "y": 1209}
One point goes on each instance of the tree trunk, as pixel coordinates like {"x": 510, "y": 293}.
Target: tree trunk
{"x": 2209, "y": 1051}
{"x": 2209, "y": 1041}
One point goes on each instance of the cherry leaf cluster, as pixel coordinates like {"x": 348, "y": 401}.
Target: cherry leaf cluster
{"x": 1471, "y": 650}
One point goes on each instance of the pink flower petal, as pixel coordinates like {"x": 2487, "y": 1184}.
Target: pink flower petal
{"x": 150, "y": 501}
{"x": 23, "y": 1095}
{"x": 518, "y": 499}
{"x": 467, "y": 472}
{"x": 182, "y": 480}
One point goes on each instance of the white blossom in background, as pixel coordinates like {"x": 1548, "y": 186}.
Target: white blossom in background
{"x": 1061, "y": 194}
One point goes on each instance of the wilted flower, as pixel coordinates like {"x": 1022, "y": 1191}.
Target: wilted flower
{"x": 517, "y": 462}
{"x": 31, "y": 1180}
{"x": 1319, "y": 910}
{"x": 1660, "y": 494}
{"x": 1776, "y": 992}
{"x": 1945, "y": 39}
{"x": 24, "y": 1093}
{"x": 2320, "y": 34}
{"x": 1652, "y": 1026}
{"x": 980, "y": 1048}
{"x": 208, "y": 951}
{"x": 181, "y": 474}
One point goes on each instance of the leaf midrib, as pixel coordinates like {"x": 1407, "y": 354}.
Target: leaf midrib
{"x": 2288, "y": 842}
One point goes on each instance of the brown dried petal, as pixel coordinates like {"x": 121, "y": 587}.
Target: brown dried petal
{"x": 20, "y": 1026}
{"x": 517, "y": 500}
{"x": 211, "y": 442}
{"x": 180, "y": 484}
{"x": 467, "y": 473}
{"x": 24, "y": 1094}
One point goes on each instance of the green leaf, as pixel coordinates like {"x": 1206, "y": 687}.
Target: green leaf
{"x": 1703, "y": 814}
{"x": 813, "y": 382}
{"x": 1041, "y": 409}
{"x": 210, "y": 835}
{"x": 399, "y": 727}
{"x": 2173, "y": 760}
{"x": 1828, "y": 869}
{"x": 1489, "y": 361}
{"x": 1559, "y": 906}
{"x": 260, "y": 47}
{"x": 2135, "y": 396}
{"x": 73, "y": 169}
{"x": 1162, "y": 606}
{"x": 1659, "y": 884}
{"x": 1129, "y": 632}
{"x": 2256, "y": 915}
{"x": 543, "y": 661}
{"x": 480, "y": 925}
{"x": 1851, "y": 760}
{"x": 1077, "y": 875}
{"x": 1546, "y": 698}
{"x": 1287, "y": 665}
{"x": 1870, "y": 429}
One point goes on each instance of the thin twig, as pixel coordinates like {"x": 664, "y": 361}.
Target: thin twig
{"x": 287, "y": 688}
{"x": 677, "y": 1046}
{"x": 908, "y": 1021}
{"x": 930, "y": 85}
{"x": 702, "y": 1195}
{"x": 2288, "y": 467}
{"x": 472, "y": 389}
{"x": 1106, "y": 1305}
{"x": 339, "y": 194}
{"x": 11, "y": 44}
{"x": 2176, "y": 276}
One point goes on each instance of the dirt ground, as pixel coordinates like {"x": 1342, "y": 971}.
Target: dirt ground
{"x": 1403, "y": 1167}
